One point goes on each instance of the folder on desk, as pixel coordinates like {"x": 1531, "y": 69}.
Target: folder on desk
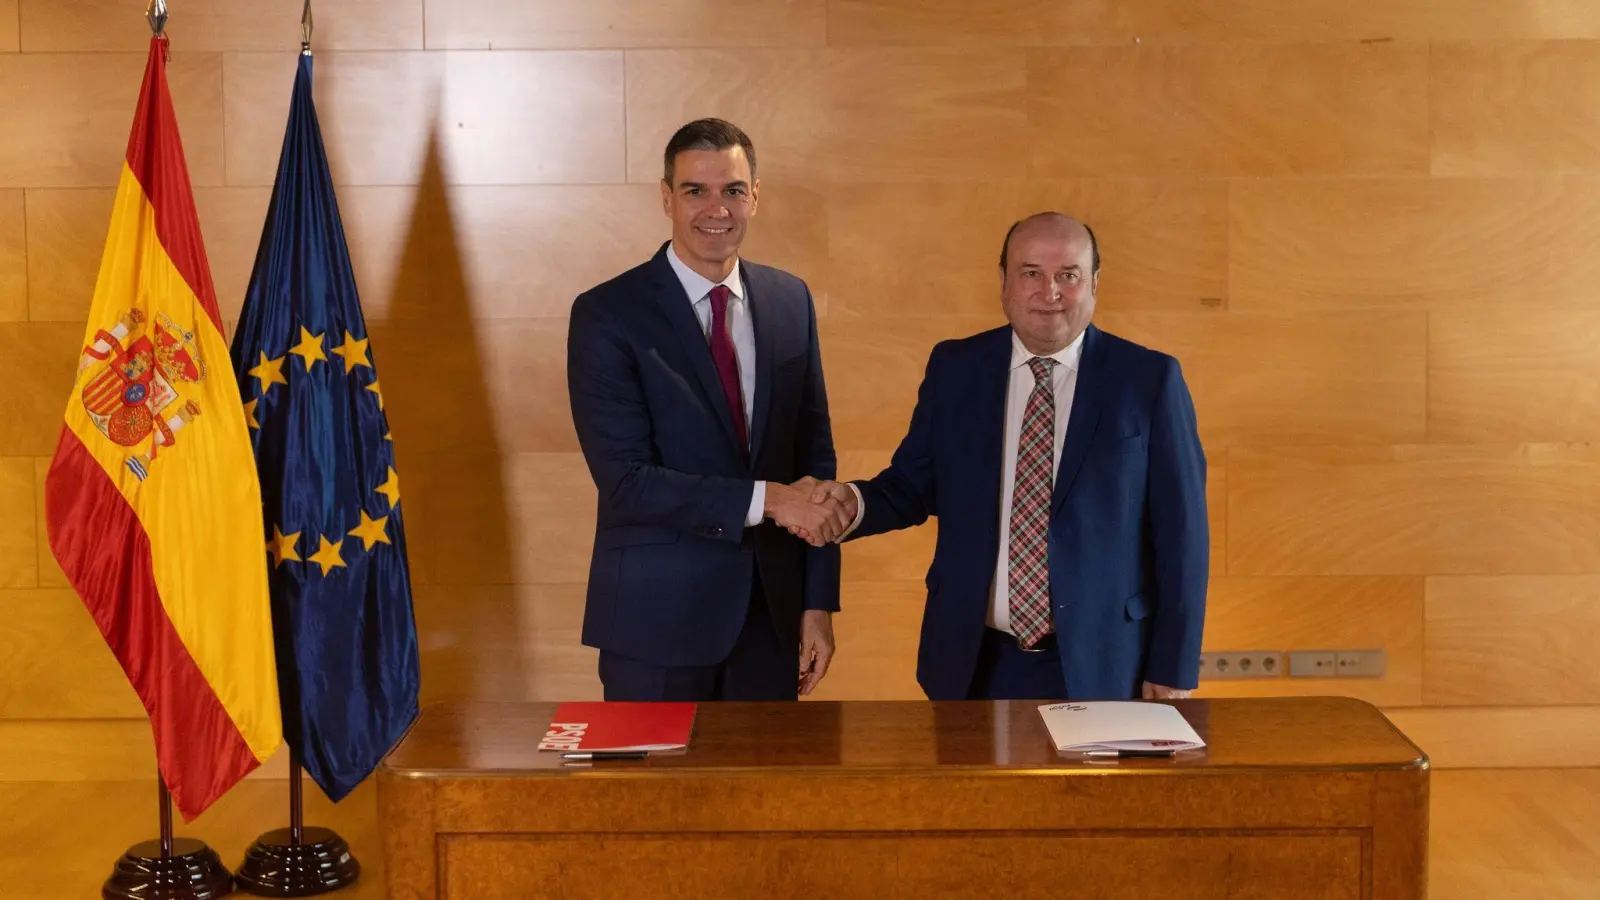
{"x": 598, "y": 726}
{"x": 1118, "y": 725}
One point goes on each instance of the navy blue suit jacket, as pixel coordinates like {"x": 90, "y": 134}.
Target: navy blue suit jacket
{"x": 1129, "y": 543}
{"x": 673, "y": 567}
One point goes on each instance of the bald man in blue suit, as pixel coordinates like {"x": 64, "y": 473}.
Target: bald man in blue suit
{"x": 1065, "y": 468}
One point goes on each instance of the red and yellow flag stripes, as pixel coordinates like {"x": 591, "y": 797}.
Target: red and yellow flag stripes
{"x": 152, "y": 502}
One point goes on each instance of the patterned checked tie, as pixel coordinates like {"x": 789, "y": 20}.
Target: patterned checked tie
{"x": 1029, "y": 563}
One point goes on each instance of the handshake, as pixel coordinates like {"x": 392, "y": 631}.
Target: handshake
{"x": 817, "y": 512}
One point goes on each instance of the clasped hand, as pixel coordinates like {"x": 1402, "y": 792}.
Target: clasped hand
{"x": 817, "y": 512}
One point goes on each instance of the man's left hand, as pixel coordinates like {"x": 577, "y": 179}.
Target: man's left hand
{"x": 1162, "y": 692}
{"x": 816, "y": 648}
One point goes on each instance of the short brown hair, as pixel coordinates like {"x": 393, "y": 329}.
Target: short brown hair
{"x": 707, "y": 134}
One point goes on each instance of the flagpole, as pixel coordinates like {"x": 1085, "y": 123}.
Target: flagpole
{"x": 168, "y": 867}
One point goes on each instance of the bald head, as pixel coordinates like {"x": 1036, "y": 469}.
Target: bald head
{"x": 1053, "y": 224}
{"x": 1049, "y": 269}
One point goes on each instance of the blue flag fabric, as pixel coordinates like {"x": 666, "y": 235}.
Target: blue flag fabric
{"x": 342, "y": 615}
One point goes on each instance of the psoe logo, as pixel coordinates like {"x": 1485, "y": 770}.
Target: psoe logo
{"x": 563, "y": 735}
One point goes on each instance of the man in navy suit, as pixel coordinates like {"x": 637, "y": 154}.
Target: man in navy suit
{"x": 1065, "y": 469}
{"x": 696, "y": 388}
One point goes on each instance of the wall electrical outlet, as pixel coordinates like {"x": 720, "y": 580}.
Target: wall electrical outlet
{"x": 1359, "y": 663}
{"x": 1242, "y": 664}
{"x": 1313, "y": 663}
{"x": 1336, "y": 663}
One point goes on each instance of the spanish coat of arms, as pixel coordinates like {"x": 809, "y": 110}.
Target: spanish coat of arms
{"x": 135, "y": 390}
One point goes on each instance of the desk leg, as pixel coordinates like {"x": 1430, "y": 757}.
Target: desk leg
{"x": 1400, "y": 835}
{"x": 410, "y": 848}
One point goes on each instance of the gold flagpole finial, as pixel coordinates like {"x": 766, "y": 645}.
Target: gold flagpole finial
{"x": 305, "y": 30}
{"x": 156, "y": 15}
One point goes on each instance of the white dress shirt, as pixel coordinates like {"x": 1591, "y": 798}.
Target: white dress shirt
{"x": 698, "y": 288}
{"x": 1064, "y": 380}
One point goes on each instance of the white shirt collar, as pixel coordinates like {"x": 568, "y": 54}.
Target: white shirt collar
{"x": 1068, "y": 356}
{"x": 697, "y": 286}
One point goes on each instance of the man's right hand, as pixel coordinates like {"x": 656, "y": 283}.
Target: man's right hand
{"x": 793, "y": 507}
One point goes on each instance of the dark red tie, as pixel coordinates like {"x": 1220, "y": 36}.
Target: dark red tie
{"x": 727, "y": 360}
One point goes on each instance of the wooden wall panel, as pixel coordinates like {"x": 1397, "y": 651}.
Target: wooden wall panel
{"x": 532, "y": 525}
{"x": 925, "y": 115}
{"x": 1314, "y": 379}
{"x": 1516, "y": 108}
{"x": 876, "y": 633}
{"x": 1348, "y": 109}
{"x": 1317, "y": 614}
{"x": 1512, "y": 640}
{"x": 775, "y": 96}
{"x": 505, "y": 642}
{"x": 451, "y": 386}
{"x": 13, "y": 257}
{"x": 882, "y": 361}
{"x": 56, "y": 664}
{"x": 67, "y": 116}
{"x": 1524, "y": 375}
{"x": 19, "y": 549}
{"x": 502, "y": 118}
{"x": 1503, "y": 736}
{"x": 1122, "y": 22}
{"x": 1414, "y": 510}
{"x": 1446, "y": 243}
{"x": 82, "y": 25}
{"x": 10, "y": 39}
{"x": 66, "y": 237}
{"x": 376, "y": 110}
{"x": 1163, "y": 243}
{"x": 37, "y": 362}
{"x": 498, "y": 25}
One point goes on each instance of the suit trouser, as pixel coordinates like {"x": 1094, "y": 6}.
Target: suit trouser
{"x": 759, "y": 667}
{"x": 1007, "y": 672}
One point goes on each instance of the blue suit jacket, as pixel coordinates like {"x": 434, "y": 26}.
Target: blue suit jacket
{"x": 1129, "y": 543}
{"x": 674, "y": 565}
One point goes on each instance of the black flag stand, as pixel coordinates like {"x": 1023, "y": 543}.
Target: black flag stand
{"x": 297, "y": 861}
{"x": 168, "y": 869}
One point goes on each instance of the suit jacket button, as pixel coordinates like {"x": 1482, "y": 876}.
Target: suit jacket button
{"x": 716, "y": 531}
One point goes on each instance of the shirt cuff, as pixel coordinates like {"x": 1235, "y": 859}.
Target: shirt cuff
{"x": 861, "y": 513}
{"x": 758, "y": 502}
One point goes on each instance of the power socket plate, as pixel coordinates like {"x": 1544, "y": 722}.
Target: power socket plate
{"x": 1237, "y": 664}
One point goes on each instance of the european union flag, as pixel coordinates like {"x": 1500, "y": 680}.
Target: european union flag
{"x": 341, "y": 590}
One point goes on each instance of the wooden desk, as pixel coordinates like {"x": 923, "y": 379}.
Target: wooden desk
{"x": 1295, "y": 798}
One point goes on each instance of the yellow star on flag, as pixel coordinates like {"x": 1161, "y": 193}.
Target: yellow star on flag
{"x": 282, "y": 546}
{"x": 270, "y": 372}
{"x": 327, "y": 556}
{"x": 309, "y": 348}
{"x": 373, "y": 387}
{"x": 391, "y": 488}
{"x": 250, "y": 414}
{"x": 371, "y": 531}
{"x": 353, "y": 352}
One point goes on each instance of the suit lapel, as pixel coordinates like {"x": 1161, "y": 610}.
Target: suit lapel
{"x": 991, "y": 382}
{"x": 762, "y": 315}
{"x": 1084, "y": 418}
{"x": 679, "y": 311}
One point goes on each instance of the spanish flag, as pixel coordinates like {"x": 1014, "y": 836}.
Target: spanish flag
{"x": 152, "y": 502}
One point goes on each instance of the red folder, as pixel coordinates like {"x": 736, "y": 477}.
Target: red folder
{"x": 619, "y": 726}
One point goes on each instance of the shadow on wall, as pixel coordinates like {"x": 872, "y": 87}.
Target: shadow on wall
{"x": 436, "y": 389}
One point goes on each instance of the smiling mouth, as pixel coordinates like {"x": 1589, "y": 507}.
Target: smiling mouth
{"x": 715, "y": 232}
